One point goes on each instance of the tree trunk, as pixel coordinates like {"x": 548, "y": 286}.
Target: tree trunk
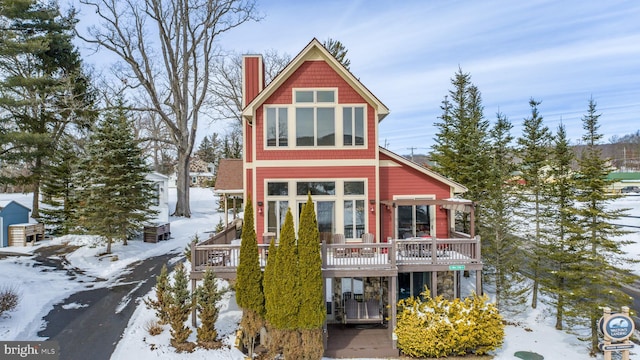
{"x": 182, "y": 186}
{"x": 35, "y": 211}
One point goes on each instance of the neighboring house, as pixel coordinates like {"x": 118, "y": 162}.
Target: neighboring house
{"x": 387, "y": 225}
{"x": 623, "y": 179}
{"x": 11, "y": 213}
{"x": 200, "y": 173}
{"x": 229, "y": 184}
{"x": 161, "y": 201}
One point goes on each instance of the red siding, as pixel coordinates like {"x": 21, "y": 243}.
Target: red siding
{"x": 404, "y": 180}
{"x": 316, "y": 74}
{"x": 316, "y": 173}
{"x": 253, "y": 78}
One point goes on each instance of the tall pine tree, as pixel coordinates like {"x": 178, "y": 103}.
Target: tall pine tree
{"x": 116, "y": 196}
{"x": 43, "y": 91}
{"x": 604, "y": 277}
{"x": 59, "y": 190}
{"x": 561, "y": 240}
{"x": 533, "y": 149}
{"x": 460, "y": 149}
{"x": 501, "y": 249}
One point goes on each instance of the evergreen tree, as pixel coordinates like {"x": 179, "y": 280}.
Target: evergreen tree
{"x": 561, "y": 240}
{"x": 338, "y": 51}
{"x": 284, "y": 310}
{"x": 501, "y": 249}
{"x": 163, "y": 296}
{"x": 312, "y": 311}
{"x": 534, "y": 148}
{"x": 604, "y": 277}
{"x": 269, "y": 283}
{"x": 116, "y": 195}
{"x": 180, "y": 306}
{"x": 249, "y": 292}
{"x": 207, "y": 297}
{"x": 460, "y": 150}
{"x": 43, "y": 91}
{"x": 59, "y": 190}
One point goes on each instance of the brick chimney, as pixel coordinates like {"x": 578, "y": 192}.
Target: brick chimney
{"x": 252, "y": 78}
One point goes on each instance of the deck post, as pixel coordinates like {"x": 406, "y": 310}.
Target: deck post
{"x": 323, "y": 252}
{"x": 393, "y": 283}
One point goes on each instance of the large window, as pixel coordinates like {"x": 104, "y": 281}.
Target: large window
{"x": 353, "y": 126}
{"x": 315, "y": 126}
{"x": 414, "y": 221}
{"x": 315, "y": 119}
{"x": 277, "y": 127}
{"x": 340, "y": 206}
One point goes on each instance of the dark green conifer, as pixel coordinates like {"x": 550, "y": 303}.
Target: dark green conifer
{"x": 534, "y": 148}
{"x": 116, "y": 196}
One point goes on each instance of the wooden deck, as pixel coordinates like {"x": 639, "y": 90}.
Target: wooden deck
{"x": 355, "y": 259}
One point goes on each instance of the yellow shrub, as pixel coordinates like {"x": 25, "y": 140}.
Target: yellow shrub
{"x": 439, "y": 327}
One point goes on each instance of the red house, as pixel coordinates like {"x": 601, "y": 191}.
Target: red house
{"x": 387, "y": 225}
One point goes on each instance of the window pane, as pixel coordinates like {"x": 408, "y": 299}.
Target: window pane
{"x": 422, "y": 220}
{"x": 360, "y": 211}
{"x": 347, "y": 126}
{"x": 348, "y": 219}
{"x": 316, "y": 188}
{"x": 283, "y": 127}
{"x": 304, "y": 96}
{"x": 272, "y": 217}
{"x": 405, "y": 222}
{"x": 271, "y": 127}
{"x": 326, "y": 127}
{"x": 354, "y": 187}
{"x": 304, "y": 127}
{"x": 359, "y": 125}
{"x": 326, "y": 96}
{"x": 326, "y": 217}
{"x": 278, "y": 188}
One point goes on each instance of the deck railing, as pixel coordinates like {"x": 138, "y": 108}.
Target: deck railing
{"x": 414, "y": 251}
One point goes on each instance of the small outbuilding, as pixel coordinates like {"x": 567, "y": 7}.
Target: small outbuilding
{"x": 11, "y": 213}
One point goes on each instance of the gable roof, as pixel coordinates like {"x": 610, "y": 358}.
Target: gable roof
{"x": 5, "y": 203}
{"x": 315, "y": 51}
{"x": 457, "y": 187}
{"x": 229, "y": 176}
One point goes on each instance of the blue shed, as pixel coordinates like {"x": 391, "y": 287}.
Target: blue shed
{"x": 11, "y": 213}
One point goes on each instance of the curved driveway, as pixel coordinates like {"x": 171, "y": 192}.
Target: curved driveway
{"x": 94, "y": 330}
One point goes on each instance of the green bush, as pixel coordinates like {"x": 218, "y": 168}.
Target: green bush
{"x": 440, "y": 328}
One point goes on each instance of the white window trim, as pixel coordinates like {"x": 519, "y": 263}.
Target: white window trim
{"x": 338, "y": 199}
{"x": 338, "y": 122}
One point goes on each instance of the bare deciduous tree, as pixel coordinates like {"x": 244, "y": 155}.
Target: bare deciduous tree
{"x": 227, "y": 83}
{"x": 166, "y": 49}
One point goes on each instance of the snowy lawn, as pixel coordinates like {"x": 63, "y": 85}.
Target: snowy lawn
{"x": 40, "y": 291}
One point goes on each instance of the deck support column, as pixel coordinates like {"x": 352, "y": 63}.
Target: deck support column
{"x": 393, "y": 285}
{"x": 193, "y": 310}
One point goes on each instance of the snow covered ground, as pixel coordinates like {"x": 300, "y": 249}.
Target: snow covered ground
{"x": 40, "y": 291}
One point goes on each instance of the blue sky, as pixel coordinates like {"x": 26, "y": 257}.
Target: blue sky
{"x": 558, "y": 52}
